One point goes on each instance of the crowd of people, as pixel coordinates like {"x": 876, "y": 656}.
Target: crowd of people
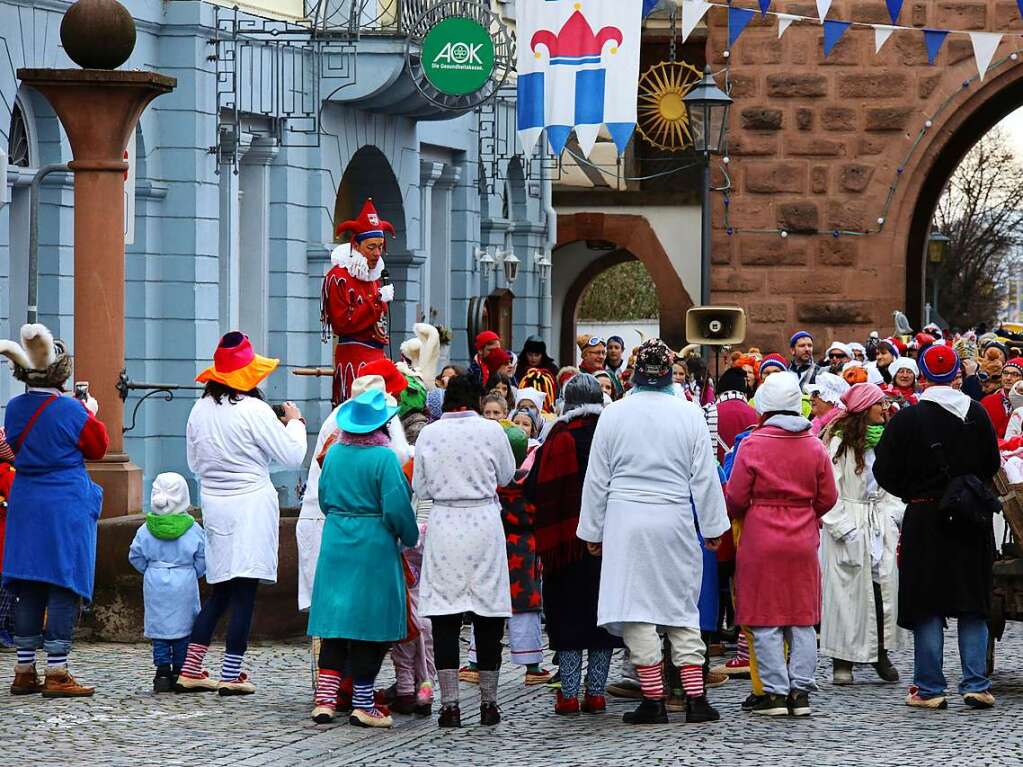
{"x": 794, "y": 505}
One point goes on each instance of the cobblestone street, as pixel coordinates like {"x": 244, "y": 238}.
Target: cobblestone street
{"x": 125, "y": 724}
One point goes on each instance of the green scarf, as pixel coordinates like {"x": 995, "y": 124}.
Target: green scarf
{"x": 874, "y": 434}
{"x": 169, "y": 527}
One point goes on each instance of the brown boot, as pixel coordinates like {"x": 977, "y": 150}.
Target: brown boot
{"x": 26, "y": 680}
{"x": 60, "y": 684}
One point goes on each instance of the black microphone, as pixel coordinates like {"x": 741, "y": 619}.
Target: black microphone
{"x": 385, "y": 277}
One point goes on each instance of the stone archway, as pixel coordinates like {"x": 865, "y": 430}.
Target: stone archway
{"x": 635, "y": 238}
{"x": 822, "y": 147}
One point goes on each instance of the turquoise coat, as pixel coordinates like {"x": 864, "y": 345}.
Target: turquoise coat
{"x": 359, "y": 591}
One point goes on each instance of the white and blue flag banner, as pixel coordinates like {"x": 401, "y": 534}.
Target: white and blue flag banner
{"x": 578, "y": 68}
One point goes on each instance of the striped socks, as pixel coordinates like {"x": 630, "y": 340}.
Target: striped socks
{"x": 488, "y": 686}
{"x": 195, "y": 656}
{"x": 56, "y": 660}
{"x": 26, "y": 657}
{"x": 651, "y": 680}
{"x": 742, "y": 646}
{"x": 327, "y": 684}
{"x": 232, "y": 667}
{"x": 362, "y": 695}
{"x": 692, "y": 681}
{"x": 448, "y": 679}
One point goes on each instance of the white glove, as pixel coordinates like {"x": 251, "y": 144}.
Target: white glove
{"x": 92, "y": 405}
{"x": 387, "y": 293}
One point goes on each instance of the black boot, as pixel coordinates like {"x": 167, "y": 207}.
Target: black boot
{"x": 450, "y": 716}
{"x": 164, "y": 679}
{"x": 700, "y": 710}
{"x": 883, "y": 667}
{"x": 489, "y": 714}
{"x": 649, "y": 712}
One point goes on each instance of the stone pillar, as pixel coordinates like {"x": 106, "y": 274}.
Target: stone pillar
{"x": 254, "y": 241}
{"x": 429, "y": 172}
{"x": 441, "y": 245}
{"x": 99, "y": 109}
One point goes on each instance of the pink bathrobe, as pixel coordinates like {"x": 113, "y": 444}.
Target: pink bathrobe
{"x": 781, "y": 484}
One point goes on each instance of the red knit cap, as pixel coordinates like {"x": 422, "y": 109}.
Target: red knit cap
{"x": 486, "y": 337}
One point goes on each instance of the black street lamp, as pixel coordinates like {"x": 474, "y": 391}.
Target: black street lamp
{"x": 938, "y": 244}
{"x": 707, "y": 106}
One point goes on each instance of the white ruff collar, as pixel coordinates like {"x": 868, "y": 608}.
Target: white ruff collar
{"x": 355, "y": 263}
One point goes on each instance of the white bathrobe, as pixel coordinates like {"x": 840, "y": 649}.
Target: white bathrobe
{"x": 649, "y": 464}
{"x": 850, "y": 568}
{"x": 230, "y": 448}
{"x": 461, "y": 460}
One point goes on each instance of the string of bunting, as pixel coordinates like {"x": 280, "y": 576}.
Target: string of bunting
{"x": 984, "y": 43}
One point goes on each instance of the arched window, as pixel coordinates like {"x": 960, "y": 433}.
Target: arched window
{"x": 18, "y": 144}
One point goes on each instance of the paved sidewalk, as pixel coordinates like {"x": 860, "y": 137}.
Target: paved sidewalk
{"x": 126, "y": 725}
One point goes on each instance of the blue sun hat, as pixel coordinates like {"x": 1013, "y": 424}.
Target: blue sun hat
{"x": 365, "y": 413}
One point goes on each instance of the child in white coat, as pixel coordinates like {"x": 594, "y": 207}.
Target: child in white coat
{"x": 170, "y": 551}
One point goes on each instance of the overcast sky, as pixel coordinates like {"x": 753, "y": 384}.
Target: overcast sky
{"x": 1013, "y": 127}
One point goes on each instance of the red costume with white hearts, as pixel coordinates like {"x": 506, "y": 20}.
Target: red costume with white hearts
{"x": 354, "y": 304}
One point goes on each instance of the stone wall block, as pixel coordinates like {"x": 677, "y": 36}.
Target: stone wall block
{"x": 761, "y": 313}
{"x": 910, "y": 48}
{"x": 889, "y": 118}
{"x": 834, "y": 313}
{"x": 838, "y": 251}
{"x": 760, "y": 49}
{"x": 798, "y": 217}
{"x": 754, "y": 212}
{"x": 1007, "y": 15}
{"x": 926, "y": 84}
{"x": 870, "y": 12}
{"x": 846, "y": 52}
{"x": 735, "y": 281}
{"x": 960, "y": 15}
{"x": 956, "y": 49}
{"x": 854, "y": 177}
{"x": 752, "y": 145}
{"x": 797, "y": 86}
{"x": 804, "y": 118}
{"x": 886, "y": 84}
{"x": 870, "y": 145}
{"x": 819, "y": 179}
{"x": 919, "y": 15}
{"x": 743, "y": 86}
{"x": 761, "y": 118}
{"x": 721, "y": 250}
{"x": 778, "y": 177}
{"x": 772, "y": 250}
{"x": 846, "y": 214}
{"x": 809, "y": 146}
{"x": 835, "y": 119}
{"x": 805, "y": 282}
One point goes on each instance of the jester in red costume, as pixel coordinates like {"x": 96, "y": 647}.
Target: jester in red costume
{"x": 354, "y": 303}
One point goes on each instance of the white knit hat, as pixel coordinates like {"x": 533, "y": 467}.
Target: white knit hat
{"x": 828, "y": 387}
{"x": 169, "y": 495}
{"x": 780, "y": 393}
{"x": 904, "y": 363}
{"x": 535, "y": 396}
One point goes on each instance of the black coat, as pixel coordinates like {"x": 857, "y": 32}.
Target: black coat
{"x": 944, "y": 567}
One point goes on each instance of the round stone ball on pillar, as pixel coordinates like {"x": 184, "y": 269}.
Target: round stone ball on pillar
{"x": 98, "y": 34}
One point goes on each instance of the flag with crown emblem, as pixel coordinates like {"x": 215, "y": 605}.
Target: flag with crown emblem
{"x": 578, "y": 69}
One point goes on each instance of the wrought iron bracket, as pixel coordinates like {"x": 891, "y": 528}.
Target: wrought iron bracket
{"x": 125, "y": 386}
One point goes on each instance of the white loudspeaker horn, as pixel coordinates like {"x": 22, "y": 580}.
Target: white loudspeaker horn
{"x": 715, "y": 325}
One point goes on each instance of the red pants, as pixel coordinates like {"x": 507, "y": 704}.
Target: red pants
{"x": 349, "y": 357}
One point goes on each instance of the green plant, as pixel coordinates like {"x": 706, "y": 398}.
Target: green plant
{"x": 623, "y": 292}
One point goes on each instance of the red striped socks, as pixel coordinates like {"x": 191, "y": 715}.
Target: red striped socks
{"x": 327, "y": 684}
{"x": 742, "y": 646}
{"x": 692, "y": 681}
{"x": 195, "y": 656}
{"x": 651, "y": 680}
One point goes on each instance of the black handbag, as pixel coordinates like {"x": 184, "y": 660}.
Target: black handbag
{"x": 967, "y": 501}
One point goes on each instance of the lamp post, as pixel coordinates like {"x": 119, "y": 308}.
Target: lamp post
{"x": 707, "y": 106}
{"x": 937, "y": 249}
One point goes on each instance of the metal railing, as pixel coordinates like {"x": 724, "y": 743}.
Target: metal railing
{"x": 353, "y": 18}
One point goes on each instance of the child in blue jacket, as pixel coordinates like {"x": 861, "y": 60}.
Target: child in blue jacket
{"x": 170, "y": 551}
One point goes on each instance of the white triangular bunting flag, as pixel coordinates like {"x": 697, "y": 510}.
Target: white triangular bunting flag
{"x": 587, "y": 137}
{"x": 881, "y": 34}
{"x": 785, "y": 21}
{"x": 823, "y": 6}
{"x": 692, "y": 12}
{"x": 984, "y": 46}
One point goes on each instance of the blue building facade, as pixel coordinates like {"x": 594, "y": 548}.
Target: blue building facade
{"x": 240, "y": 175}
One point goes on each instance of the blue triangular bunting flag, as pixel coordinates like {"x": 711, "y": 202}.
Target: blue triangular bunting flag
{"x": 933, "y": 39}
{"x": 833, "y": 31}
{"x": 1020, "y": 4}
{"x": 649, "y": 5}
{"x": 558, "y": 135}
{"x": 620, "y": 134}
{"x": 895, "y": 8}
{"x": 766, "y": 4}
{"x": 738, "y": 18}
